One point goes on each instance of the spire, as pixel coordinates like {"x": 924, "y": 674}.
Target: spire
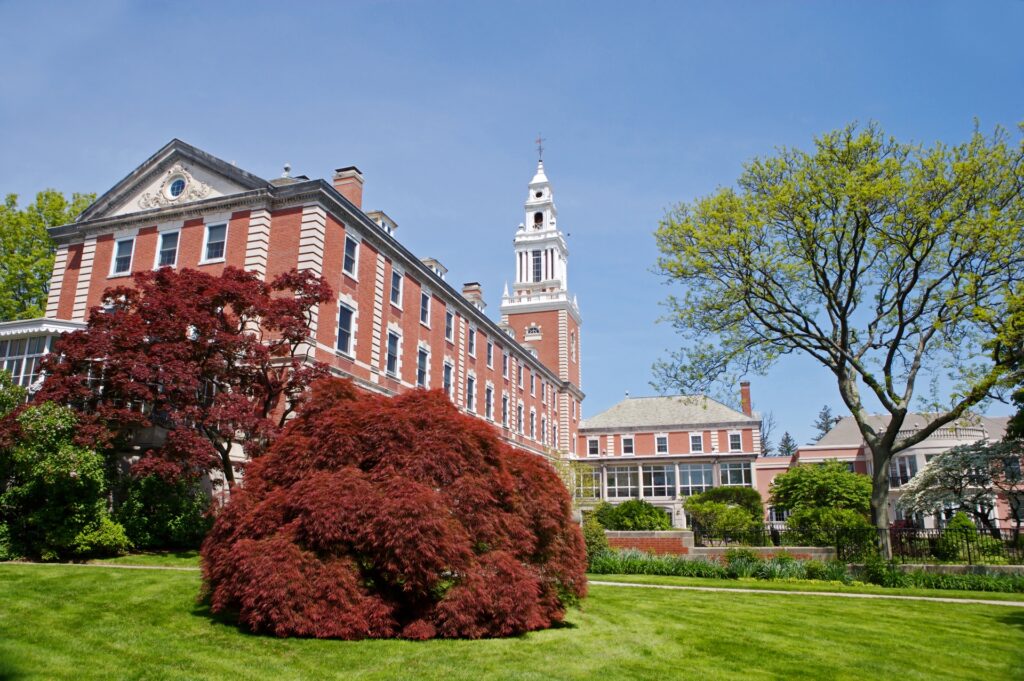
{"x": 540, "y": 177}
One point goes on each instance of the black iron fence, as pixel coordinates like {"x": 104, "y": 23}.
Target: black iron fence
{"x": 908, "y": 545}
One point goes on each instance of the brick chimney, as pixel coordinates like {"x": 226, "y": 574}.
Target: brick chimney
{"x": 349, "y": 183}
{"x": 745, "y": 398}
{"x": 474, "y": 293}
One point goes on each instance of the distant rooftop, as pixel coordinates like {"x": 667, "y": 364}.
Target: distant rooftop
{"x": 969, "y": 428}
{"x": 673, "y": 410}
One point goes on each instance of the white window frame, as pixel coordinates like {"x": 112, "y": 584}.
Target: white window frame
{"x": 696, "y": 434}
{"x": 520, "y": 419}
{"x": 471, "y": 392}
{"x": 632, "y": 445}
{"x": 738, "y": 434}
{"x": 657, "y": 448}
{"x": 543, "y": 429}
{"x": 614, "y": 476}
{"x": 686, "y": 470}
{"x": 398, "y": 354}
{"x": 489, "y": 401}
{"x": 490, "y": 354}
{"x": 533, "y": 384}
{"x": 448, "y": 372}
{"x": 160, "y": 247}
{"x": 504, "y": 364}
{"x": 206, "y": 242}
{"x": 131, "y": 257}
{"x": 533, "y": 424}
{"x": 449, "y": 326}
{"x": 504, "y": 411}
{"x": 355, "y": 259}
{"x": 593, "y": 443}
{"x": 423, "y": 351}
{"x": 395, "y": 272}
{"x": 349, "y": 351}
{"x": 425, "y": 295}
{"x": 744, "y": 467}
{"x": 471, "y": 341}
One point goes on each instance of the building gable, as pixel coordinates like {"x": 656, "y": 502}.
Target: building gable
{"x": 176, "y": 174}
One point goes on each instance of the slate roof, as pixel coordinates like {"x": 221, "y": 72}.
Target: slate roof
{"x": 846, "y": 434}
{"x": 673, "y": 410}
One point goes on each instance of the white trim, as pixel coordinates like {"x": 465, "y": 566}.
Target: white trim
{"x": 397, "y": 331}
{"x": 656, "y": 436}
{"x": 348, "y": 302}
{"x": 471, "y": 341}
{"x": 391, "y": 289}
{"x": 423, "y": 347}
{"x": 203, "y": 260}
{"x": 354, "y": 274}
{"x": 689, "y": 442}
{"x": 159, "y": 248}
{"x": 430, "y": 304}
{"x": 113, "y": 258}
{"x": 729, "y": 435}
{"x": 632, "y": 444}
{"x": 449, "y": 337}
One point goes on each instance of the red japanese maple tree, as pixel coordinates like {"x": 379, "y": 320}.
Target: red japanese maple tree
{"x": 209, "y": 361}
{"x": 382, "y": 517}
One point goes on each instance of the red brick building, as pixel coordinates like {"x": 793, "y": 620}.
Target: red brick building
{"x": 665, "y": 449}
{"x": 395, "y": 324}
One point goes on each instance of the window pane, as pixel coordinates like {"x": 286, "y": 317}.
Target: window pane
{"x": 123, "y": 256}
{"x": 392, "y": 360}
{"x": 396, "y": 285}
{"x": 421, "y": 368}
{"x": 215, "y": 241}
{"x": 345, "y": 329}
{"x": 349, "y": 263}
{"x": 168, "y": 249}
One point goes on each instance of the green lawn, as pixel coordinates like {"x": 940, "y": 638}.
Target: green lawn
{"x": 161, "y": 558}
{"x": 806, "y": 585}
{"x": 67, "y": 622}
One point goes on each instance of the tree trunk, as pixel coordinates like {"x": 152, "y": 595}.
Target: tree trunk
{"x": 880, "y": 498}
{"x": 229, "y": 470}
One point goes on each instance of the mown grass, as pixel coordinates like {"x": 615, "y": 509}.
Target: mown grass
{"x": 158, "y": 558}
{"x": 806, "y": 585}
{"x": 68, "y": 622}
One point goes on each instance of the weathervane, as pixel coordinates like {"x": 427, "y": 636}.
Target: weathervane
{"x": 540, "y": 147}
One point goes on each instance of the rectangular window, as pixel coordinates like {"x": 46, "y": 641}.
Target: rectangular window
{"x": 554, "y": 435}
{"x": 519, "y": 419}
{"x": 627, "y": 445}
{"x": 489, "y": 403}
{"x": 593, "y": 446}
{"x": 396, "y": 285}
{"x": 216, "y": 236}
{"x": 351, "y": 256}
{"x": 345, "y": 317}
{"x": 588, "y": 484}
{"x": 21, "y": 359}
{"x": 537, "y": 266}
{"x": 449, "y": 325}
{"x": 472, "y": 342}
{"x": 392, "y": 358}
{"x": 623, "y": 482}
{"x": 447, "y": 382}
{"x": 504, "y": 364}
{"x": 695, "y": 478}
{"x": 533, "y": 425}
{"x": 736, "y": 474}
{"x": 520, "y": 376}
{"x": 425, "y": 308}
{"x": 661, "y": 444}
{"x": 471, "y": 393}
{"x": 901, "y": 470}
{"x": 421, "y": 368}
{"x": 533, "y": 383}
{"x": 490, "y": 354}
{"x": 735, "y": 442}
{"x": 696, "y": 443}
{"x": 122, "y": 256}
{"x": 168, "y": 255}
{"x": 659, "y": 481}
{"x": 504, "y": 410}
{"x": 543, "y": 392}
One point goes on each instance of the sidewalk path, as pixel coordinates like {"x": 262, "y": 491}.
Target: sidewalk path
{"x": 839, "y": 594}
{"x": 633, "y": 585}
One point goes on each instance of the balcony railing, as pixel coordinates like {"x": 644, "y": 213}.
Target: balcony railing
{"x": 965, "y": 433}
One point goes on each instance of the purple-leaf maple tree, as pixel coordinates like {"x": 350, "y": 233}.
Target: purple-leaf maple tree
{"x": 377, "y": 517}
{"x": 209, "y": 361}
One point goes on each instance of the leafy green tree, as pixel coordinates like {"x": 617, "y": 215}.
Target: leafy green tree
{"x": 53, "y": 499}
{"x": 787, "y": 445}
{"x": 26, "y": 250}
{"x": 634, "y": 514}
{"x": 747, "y": 498}
{"x": 825, "y": 422}
{"x": 887, "y": 263}
{"x": 719, "y": 520}
{"x": 828, "y": 485}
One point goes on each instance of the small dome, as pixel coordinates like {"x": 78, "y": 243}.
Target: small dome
{"x": 540, "y": 177}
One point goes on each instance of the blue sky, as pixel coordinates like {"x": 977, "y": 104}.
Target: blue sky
{"x": 643, "y": 105}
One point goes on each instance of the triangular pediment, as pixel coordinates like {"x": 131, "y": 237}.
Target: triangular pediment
{"x": 175, "y": 175}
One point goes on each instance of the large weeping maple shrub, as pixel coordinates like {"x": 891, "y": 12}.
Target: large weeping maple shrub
{"x": 394, "y": 517}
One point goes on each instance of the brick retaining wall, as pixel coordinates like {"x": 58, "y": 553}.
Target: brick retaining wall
{"x": 680, "y": 543}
